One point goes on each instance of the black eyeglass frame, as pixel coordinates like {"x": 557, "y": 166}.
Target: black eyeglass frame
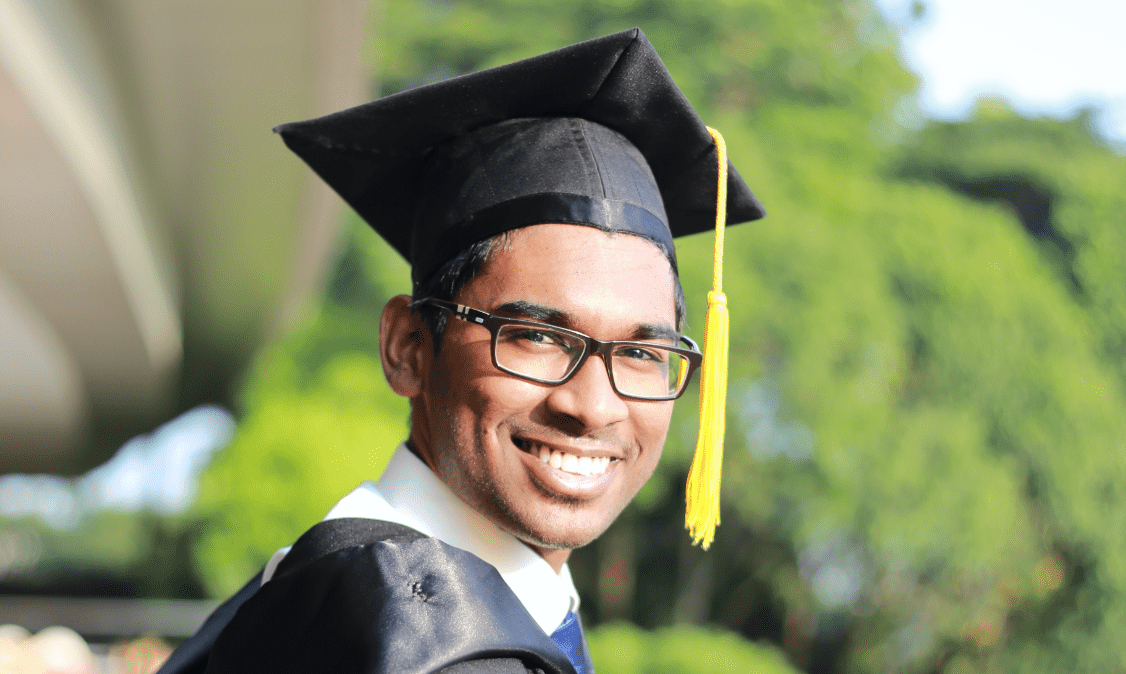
{"x": 591, "y": 347}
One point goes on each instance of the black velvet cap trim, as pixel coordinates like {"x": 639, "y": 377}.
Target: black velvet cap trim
{"x": 601, "y": 119}
{"x": 536, "y": 209}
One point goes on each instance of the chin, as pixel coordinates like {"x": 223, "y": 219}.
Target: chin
{"x": 565, "y": 537}
{"x": 568, "y": 541}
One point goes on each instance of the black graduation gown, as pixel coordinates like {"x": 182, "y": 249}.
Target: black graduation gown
{"x": 366, "y": 596}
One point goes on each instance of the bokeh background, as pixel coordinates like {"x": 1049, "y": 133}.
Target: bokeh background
{"x": 927, "y": 411}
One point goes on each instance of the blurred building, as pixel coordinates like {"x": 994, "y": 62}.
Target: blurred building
{"x": 153, "y": 231}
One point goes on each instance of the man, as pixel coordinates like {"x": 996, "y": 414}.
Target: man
{"x": 541, "y": 353}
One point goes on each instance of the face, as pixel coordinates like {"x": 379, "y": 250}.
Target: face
{"x": 487, "y": 434}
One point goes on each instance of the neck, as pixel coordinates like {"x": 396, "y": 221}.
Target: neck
{"x": 555, "y": 557}
{"x": 412, "y": 445}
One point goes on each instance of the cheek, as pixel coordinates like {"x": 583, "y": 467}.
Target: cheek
{"x": 458, "y": 372}
{"x": 651, "y": 421}
{"x": 470, "y": 387}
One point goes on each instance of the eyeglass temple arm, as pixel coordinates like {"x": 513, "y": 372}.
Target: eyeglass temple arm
{"x": 460, "y": 311}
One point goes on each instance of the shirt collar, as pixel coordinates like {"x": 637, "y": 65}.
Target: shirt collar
{"x": 409, "y": 493}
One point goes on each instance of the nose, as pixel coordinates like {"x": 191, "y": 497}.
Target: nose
{"x": 588, "y": 400}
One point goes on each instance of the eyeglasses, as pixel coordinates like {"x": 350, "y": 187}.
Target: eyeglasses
{"x": 551, "y": 355}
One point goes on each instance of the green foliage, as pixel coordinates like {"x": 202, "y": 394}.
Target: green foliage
{"x": 621, "y": 648}
{"x": 318, "y": 419}
{"x": 927, "y": 377}
{"x": 730, "y": 55}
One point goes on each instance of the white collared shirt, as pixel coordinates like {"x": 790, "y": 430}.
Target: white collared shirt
{"x": 410, "y": 494}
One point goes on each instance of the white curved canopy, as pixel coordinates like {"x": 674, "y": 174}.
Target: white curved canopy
{"x": 152, "y": 230}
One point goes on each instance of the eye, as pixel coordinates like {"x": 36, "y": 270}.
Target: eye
{"x": 534, "y": 336}
{"x": 528, "y": 337}
{"x": 638, "y": 353}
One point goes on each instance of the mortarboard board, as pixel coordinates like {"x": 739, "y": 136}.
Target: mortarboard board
{"x": 594, "y": 134}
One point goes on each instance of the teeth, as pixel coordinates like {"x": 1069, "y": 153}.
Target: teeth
{"x": 569, "y": 463}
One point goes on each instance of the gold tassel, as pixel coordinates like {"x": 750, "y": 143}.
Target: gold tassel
{"x": 701, "y": 516}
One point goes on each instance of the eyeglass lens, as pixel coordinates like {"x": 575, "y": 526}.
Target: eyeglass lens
{"x": 649, "y": 371}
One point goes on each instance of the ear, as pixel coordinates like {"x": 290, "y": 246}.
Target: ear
{"x": 404, "y": 347}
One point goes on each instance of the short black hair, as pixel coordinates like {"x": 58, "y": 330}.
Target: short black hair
{"x": 452, "y": 276}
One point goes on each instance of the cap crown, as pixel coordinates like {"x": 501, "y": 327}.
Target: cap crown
{"x": 530, "y": 171}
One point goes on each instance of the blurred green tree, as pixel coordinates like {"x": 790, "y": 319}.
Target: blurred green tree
{"x": 927, "y": 378}
{"x": 318, "y": 418}
{"x": 621, "y": 648}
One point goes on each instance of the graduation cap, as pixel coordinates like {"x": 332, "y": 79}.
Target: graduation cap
{"x": 594, "y": 134}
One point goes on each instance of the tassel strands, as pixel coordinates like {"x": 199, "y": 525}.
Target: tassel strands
{"x": 701, "y": 515}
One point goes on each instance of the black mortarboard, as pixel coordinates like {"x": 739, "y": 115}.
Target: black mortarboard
{"x": 594, "y": 134}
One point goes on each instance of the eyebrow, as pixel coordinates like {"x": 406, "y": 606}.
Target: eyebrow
{"x": 535, "y": 312}
{"x": 544, "y": 314}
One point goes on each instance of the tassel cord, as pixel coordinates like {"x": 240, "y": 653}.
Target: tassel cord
{"x": 702, "y": 488}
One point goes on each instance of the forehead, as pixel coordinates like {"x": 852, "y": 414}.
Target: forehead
{"x": 599, "y": 279}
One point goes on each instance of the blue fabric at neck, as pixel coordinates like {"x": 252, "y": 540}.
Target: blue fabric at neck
{"x": 569, "y": 637}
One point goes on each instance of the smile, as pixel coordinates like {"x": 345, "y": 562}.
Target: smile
{"x": 566, "y": 462}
